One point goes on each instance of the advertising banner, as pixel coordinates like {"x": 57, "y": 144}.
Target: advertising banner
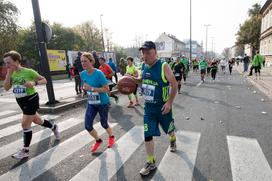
{"x": 57, "y": 60}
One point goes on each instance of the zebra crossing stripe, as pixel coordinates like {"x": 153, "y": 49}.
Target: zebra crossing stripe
{"x": 10, "y": 119}
{"x": 108, "y": 163}
{"x": 10, "y": 148}
{"x": 43, "y": 162}
{"x": 179, "y": 165}
{"x": 247, "y": 160}
{"x": 7, "y": 100}
{"x": 4, "y": 113}
{"x": 17, "y": 127}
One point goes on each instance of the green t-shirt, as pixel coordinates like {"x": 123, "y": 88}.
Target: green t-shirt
{"x": 19, "y": 78}
{"x": 185, "y": 63}
{"x": 203, "y": 65}
{"x": 131, "y": 70}
{"x": 257, "y": 60}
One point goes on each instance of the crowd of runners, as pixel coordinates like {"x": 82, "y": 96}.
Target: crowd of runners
{"x": 160, "y": 81}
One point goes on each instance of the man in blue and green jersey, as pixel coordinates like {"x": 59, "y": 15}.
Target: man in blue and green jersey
{"x": 159, "y": 88}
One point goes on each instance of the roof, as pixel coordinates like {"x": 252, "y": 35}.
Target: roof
{"x": 174, "y": 38}
{"x": 265, "y": 6}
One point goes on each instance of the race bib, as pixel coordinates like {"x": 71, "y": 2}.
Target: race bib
{"x": 177, "y": 74}
{"x": 93, "y": 98}
{"x": 148, "y": 92}
{"x": 19, "y": 91}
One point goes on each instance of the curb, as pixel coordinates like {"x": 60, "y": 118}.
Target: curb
{"x": 259, "y": 85}
{"x": 67, "y": 103}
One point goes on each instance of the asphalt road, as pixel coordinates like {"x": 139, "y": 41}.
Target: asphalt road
{"x": 223, "y": 131}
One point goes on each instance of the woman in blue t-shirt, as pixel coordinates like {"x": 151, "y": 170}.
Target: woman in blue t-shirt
{"x": 96, "y": 86}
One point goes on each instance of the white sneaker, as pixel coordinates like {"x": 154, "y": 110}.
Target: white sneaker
{"x": 148, "y": 167}
{"x": 22, "y": 153}
{"x": 56, "y": 131}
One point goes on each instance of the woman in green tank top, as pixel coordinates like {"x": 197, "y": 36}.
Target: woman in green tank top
{"x": 132, "y": 71}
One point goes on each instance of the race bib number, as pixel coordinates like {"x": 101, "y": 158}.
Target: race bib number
{"x": 93, "y": 98}
{"x": 177, "y": 74}
{"x": 148, "y": 92}
{"x": 19, "y": 91}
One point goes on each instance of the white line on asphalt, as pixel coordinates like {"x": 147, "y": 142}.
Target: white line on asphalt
{"x": 108, "y": 163}
{"x": 179, "y": 165}
{"x": 199, "y": 84}
{"x": 10, "y": 119}
{"x": 10, "y": 148}
{"x": 17, "y": 127}
{"x": 43, "y": 162}
{"x": 7, "y": 100}
{"x": 7, "y": 112}
{"x": 247, "y": 160}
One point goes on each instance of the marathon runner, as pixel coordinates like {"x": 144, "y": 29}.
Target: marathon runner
{"x": 132, "y": 71}
{"x": 23, "y": 81}
{"x": 159, "y": 90}
{"x": 203, "y": 68}
{"x": 96, "y": 86}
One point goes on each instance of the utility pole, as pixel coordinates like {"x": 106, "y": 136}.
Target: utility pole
{"x": 43, "y": 52}
{"x": 212, "y": 47}
{"x": 102, "y": 32}
{"x": 190, "y": 30}
{"x": 207, "y": 26}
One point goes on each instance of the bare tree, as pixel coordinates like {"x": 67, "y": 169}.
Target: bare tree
{"x": 226, "y": 53}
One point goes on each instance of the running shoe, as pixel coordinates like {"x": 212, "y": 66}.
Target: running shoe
{"x": 22, "y": 153}
{"x": 96, "y": 145}
{"x": 137, "y": 103}
{"x": 148, "y": 167}
{"x": 56, "y": 131}
{"x": 111, "y": 141}
{"x": 130, "y": 105}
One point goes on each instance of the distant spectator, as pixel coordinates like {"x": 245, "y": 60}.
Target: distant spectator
{"x": 96, "y": 64}
{"x": 122, "y": 66}
{"x": 246, "y": 62}
{"x": 75, "y": 74}
{"x": 113, "y": 67}
{"x": 77, "y": 63}
{"x": 256, "y": 64}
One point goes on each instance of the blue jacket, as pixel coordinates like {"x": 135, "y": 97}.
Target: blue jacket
{"x": 112, "y": 65}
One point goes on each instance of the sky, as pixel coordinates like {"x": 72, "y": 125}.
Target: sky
{"x": 128, "y": 19}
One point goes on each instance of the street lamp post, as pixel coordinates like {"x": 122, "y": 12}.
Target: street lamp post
{"x": 102, "y": 32}
{"x": 207, "y": 26}
{"x": 212, "y": 47}
{"x": 190, "y": 30}
{"x": 43, "y": 52}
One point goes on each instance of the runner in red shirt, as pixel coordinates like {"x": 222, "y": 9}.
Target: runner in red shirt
{"x": 108, "y": 72}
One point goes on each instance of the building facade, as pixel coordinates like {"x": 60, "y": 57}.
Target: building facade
{"x": 169, "y": 46}
{"x": 197, "y": 50}
{"x": 266, "y": 32}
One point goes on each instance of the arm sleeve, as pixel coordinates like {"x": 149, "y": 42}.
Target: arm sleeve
{"x": 33, "y": 73}
{"x": 102, "y": 79}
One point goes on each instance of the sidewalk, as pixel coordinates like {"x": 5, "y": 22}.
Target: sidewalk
{"x": 264, "y": 84}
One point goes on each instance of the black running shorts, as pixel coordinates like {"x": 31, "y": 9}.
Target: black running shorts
{"x": 203, "y": 71}
{"x": 29, "y": 104}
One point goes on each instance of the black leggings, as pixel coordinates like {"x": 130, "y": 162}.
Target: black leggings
{"x": 213, "y": 73}
{"x": 78, "y": 84}
{"x": 230, "y": 69}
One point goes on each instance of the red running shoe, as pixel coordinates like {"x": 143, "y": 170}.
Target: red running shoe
{"x": 111, "y": 141}
{"x": 96, "y": 145}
